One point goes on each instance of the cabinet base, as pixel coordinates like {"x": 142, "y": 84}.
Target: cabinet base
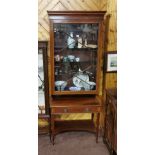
{"x": 73, "y": 125}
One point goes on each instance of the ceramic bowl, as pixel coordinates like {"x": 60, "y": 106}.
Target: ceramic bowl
{"x": 92, "y": 84}
{"x": 60, "y": 85}
{"x": 89, "y": 85}
{"x": 71, "y": 57}
{"x": 74, "y": 88}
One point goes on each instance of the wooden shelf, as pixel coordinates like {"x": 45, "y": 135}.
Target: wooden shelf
{"x": 74, "y": 49}
{"x": 74, "y": 125}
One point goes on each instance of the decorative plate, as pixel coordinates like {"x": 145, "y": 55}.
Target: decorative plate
{"x": 80, "y": 79}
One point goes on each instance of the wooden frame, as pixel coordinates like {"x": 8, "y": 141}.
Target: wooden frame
{"x": 67, "y": 102}
{"x": 80, "y": 17}
{"x": 110, "y": 62}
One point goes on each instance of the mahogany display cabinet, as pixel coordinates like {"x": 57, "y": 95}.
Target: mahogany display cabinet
{"x": 76, "y": 51}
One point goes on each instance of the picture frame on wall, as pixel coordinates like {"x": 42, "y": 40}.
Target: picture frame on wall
{"x": 111, "y": 62}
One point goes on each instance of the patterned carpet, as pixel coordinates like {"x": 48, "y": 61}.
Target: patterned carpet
{"x": 72, "y": 143}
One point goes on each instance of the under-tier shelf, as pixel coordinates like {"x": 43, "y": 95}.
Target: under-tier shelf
{"x": 74, "y": 125}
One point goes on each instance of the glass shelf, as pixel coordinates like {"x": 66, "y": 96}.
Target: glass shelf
{"x": 57, "y": 49}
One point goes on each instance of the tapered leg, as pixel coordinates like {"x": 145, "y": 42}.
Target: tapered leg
{"x": 52, "y": 129}
{"x": 53, "y": 139}
{"x": 92, "y": 116}
{"x": 50, "y": 132}
{"x": 97, "y": 126}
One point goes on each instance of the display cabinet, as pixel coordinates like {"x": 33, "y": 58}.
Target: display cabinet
{"x": 43, "y": 89}
{"x": 76, "y": 45}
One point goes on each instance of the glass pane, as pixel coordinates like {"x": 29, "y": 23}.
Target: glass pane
{"x": 75, "y": 55}
{"x": 41, "y": 96}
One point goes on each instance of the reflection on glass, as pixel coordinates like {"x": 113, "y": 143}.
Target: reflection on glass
{"x": 75, "y": 56}
{"x": 41, "y": 96}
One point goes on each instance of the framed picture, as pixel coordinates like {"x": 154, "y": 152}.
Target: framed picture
{"x": 111, "y": 61}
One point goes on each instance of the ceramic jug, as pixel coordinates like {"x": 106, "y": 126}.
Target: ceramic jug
{"x": 71, "y": 41}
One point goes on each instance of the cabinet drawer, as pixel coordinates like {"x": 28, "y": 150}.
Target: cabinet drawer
{"x": 75, "y": 109}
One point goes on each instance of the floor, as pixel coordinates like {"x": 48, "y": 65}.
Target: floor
{"x": 72, "y": 143}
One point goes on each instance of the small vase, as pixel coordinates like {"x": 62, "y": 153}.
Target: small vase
{"x": 71, "y": 41}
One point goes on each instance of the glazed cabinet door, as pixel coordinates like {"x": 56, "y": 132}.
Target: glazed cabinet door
{"x": 75, "y": 55}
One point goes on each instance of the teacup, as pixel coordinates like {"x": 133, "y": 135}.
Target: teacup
{"x": 57, "y": 58}
{"x": 65, "y": 59}
{"x": 71, "y": 58}
{"x": 77, "y": 59}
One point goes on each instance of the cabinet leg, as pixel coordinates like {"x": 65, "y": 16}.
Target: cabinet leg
{"x": 52, "y": 130}
{"x": 92, "y": 116}
{"x": 52, "y": 138}
{"x": 97, "y": 126}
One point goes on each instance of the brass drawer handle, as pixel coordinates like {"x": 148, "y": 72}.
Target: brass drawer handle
{"x": 65, "y": 110}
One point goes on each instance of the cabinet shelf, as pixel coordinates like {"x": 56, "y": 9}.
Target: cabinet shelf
{"x": 67, "y": 89}
{"x": 74, "y": 62}
{"x": 73, "y": 49}
{"x": 74, "y": 125}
